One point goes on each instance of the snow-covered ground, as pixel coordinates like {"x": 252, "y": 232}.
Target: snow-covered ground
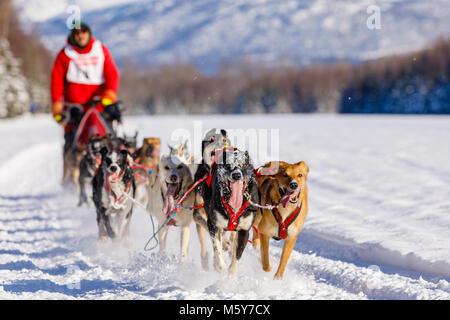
{"x": 378, "y": 223}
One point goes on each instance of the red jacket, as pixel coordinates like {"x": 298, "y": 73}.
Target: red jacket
{"x": 79, "y": 75}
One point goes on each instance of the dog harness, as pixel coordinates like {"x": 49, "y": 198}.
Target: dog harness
{"x": 234, "y": 216}
{"x": 214, "y": 163}
{"x": 284, "y": 225}
{"x": 117, "y": 201}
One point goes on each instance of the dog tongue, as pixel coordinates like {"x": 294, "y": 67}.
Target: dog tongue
{"x": 288, "y": 196}
{"x": 236, "y": 195}
{"x": 169, "y": 200}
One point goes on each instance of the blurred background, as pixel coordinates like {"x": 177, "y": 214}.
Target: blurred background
{"x": 241, "y": 56}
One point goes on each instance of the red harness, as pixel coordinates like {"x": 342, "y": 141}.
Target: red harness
{"x": 284, "y": 225}
{"x": 234, "y": 216}
{"x": 107, "y": 187}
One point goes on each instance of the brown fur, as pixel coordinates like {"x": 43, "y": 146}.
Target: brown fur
{"x": 71, "y": 165}
{"x": 145, "y": 160}
{"x": 265, "y": 222}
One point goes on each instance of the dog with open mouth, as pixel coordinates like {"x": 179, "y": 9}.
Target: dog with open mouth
{"x": 283, "y": 189}
{"x": 168, "y": 183}
{"x": 113, "y": 194}
{"x": 228, "y": 194}
{"x": 89, "y": 165}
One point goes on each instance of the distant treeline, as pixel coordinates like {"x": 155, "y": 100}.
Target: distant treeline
{"x": 35, "y": 60}
{"x": 417, "y": 82}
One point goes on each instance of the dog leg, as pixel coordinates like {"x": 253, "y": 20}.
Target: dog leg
{"x": 102, "y": 234}
{"x": 256, "y": 240}
{"x": 83, "y": 197}
{"x": 107, "y": 223}
{"x": 219, "y": 263}
{"x": 162, "y": 237}
{"x": 65, "y": 172}
{"x": 201, "y": 232}
{"x": 123, "y": 225}
{"x": 287, "y": 249}
{"x": 126, "y": 230}
{"x": 238, "y": 249}
{"x": 75, "y": 176}
{"x": 184, "y": 243}
{"x": 265, "y": 252}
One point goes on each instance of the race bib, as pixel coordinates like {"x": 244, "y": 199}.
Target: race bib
{"x": 86, "y": 68}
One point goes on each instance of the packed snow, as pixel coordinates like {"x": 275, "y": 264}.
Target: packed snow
{"x": 377, "y": 228}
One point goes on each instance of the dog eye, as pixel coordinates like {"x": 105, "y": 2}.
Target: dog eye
{"x": 180, "y": 167}
{"x": 300, "y": 175}
{"x": 167, "y": 168}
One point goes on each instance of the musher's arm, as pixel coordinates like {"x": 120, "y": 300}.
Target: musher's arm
{"x": 57, "y": 86}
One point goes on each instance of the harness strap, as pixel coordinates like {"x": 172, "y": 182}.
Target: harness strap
{"x": 284, "y": 225}
{"x": 209, "y": 178}
{"x": 234, "y": 216}
{"x": 122, "y": 196}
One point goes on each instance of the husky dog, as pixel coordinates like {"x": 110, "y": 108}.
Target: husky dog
{"x": 89, "y": 165}
{"x": 228, "y": 194}
{"x": 170, "y": 181}
{"x": 130, "y": 143}
{"x": 113, "y": 193}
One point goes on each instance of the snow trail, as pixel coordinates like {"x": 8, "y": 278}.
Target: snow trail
{"x": 366, "y": 209}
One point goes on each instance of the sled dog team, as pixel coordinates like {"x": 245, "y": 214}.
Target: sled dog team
{"x": 222, "y": 193}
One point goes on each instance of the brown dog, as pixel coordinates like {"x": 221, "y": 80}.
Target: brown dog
{"x": 286, "y": 192}
{"x": 148, "y": 157}
{"x": 71, "y": 165}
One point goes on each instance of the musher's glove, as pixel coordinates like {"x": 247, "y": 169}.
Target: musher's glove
{"x": 112, "y": 112}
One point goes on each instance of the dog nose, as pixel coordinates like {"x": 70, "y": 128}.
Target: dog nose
{"x": 113, "y": 168}
{"x": 293, "y": 185}
{"x": 173, "y": 178}
{"x": 236, "y": 176}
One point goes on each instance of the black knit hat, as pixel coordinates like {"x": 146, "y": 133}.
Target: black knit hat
{"x": 83, "y": 26}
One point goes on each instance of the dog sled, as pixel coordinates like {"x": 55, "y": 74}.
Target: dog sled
{"x": 93, "y": 121}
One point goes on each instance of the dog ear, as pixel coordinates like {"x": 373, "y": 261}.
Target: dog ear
{"x": 223, "y": 132}
{"x": 304, "y": 165}
{"x": 127, "y": 156}
{"x": 104, "y": 152}
{"x": 246, "y": 157}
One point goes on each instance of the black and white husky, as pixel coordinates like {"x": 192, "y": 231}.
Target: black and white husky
{"x": 113, "y": 194}
{"x": 227, "y": 196}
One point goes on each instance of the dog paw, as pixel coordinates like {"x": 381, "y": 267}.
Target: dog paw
{"x": 278, "y": 276}
{"x": 219, "y": 266}
{"x": 127, "y": 243}
{"x": 232, "y": 270}
{"x": 103, "y": 239}
{"x": 204, "y": 260}
{"x": 182, "y": 258}
{"x": 267, "y": 268}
